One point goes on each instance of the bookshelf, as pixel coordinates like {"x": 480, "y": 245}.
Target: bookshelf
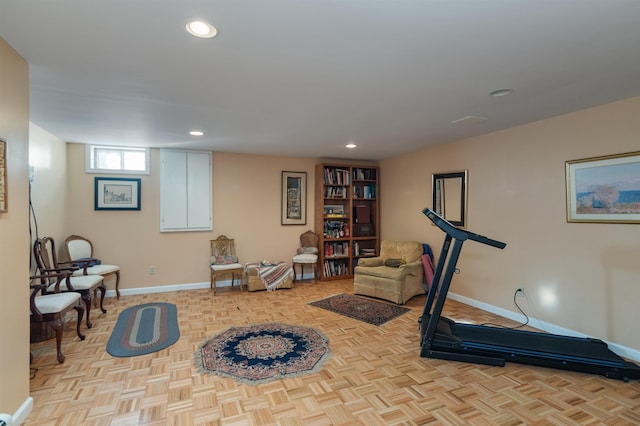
{"x": 346, "y": 217}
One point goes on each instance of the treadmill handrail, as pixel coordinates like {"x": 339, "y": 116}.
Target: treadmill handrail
{"x": 460, "y": 234}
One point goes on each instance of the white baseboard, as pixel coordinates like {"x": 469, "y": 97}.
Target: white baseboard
{"x": 623, "y": 351}
{"x": 21, "y": 414}
{"x": 176, "y": 287}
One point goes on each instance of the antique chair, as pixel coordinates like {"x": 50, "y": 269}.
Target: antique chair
{"x": 396, "y": 275}
{"x": 44, "y": 252}
{"x": 78, "y": 248}
{"x": 307, "y": 254}
{"x": 224, "y": 260}
{"x": 49, "y": 305}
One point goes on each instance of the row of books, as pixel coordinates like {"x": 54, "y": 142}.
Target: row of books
{"x": 364, "y": 174}
{"x": 335, "y": 192}
{"x": 364, "y": 191}
{"x": 336, "y": 177}
{"x": 334, "y": 268}
{"x": 336, "y": 249}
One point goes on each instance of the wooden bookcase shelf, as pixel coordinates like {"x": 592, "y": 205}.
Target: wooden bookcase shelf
{"x": 347, "y": 217}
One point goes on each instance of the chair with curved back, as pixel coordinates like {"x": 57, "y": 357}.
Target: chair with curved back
{"x": 44, "y": 252}
{"x": 78, "y": 248}
{"x": 307, "y": 254}
{"x": 49, "y": 306}
{"x": 224, "y": 260}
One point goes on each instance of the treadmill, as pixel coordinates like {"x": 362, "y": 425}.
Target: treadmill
{"x": 446, "y": 339}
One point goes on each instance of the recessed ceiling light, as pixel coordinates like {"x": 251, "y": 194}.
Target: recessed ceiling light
{"x": 501, "y": 92}
{"x": 201, "y": 29}
{"x": 196, "y": 133}
{"x": 351, "y": 145}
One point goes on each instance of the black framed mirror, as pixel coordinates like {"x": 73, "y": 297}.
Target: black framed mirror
{"x": 450, "y": 196}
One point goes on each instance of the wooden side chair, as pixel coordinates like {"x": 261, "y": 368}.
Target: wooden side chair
{"x": 49, "y": 305}
{"x": 44, "y": 252}
{"x": 79, "y": 248}
{"x": 307, "y": 254}
{"x": 224, "y": 260}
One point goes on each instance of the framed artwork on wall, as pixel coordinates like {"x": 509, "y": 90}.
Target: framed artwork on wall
{"x": 294, "y": 198}
{"x": 604, "y": 189}
{"x": 3, "y": 175}
{"x": 117, "y": 193}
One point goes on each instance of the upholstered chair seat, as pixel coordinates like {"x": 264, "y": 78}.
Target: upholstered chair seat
{"x": 44, "y": 251}
{"x": 80, "y": 248}
{"x": 49, "y": 306}
{"x": 224, "y": 261}
{"x": 307, "y": 254}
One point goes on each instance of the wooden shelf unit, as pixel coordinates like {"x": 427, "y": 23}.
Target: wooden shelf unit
{"x": 347, "y": 217}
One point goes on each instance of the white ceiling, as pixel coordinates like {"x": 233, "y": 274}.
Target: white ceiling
{"x": 305, "y": 77}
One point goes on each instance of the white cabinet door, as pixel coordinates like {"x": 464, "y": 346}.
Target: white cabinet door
{"x": 185, "y": 190}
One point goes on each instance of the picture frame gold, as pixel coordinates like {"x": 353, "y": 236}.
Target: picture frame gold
{"x": 294, "y": 198}
{"x": 604, "y": 189}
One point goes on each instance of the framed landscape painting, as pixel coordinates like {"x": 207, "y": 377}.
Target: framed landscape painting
{"x": 117, "y": 194}
{"x": 604, "y": 189}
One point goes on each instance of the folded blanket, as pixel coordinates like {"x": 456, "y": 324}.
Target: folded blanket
{"x": 273, "y": 275}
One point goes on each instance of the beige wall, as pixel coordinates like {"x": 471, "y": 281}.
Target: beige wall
{"x": 246, "y": 206}
{"x": 581, "y": 276}
{"x": 48, "y": 157}
{"x": 14, "y": 232}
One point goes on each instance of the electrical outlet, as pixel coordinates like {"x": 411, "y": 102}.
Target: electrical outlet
{"x": 152, "y": 270}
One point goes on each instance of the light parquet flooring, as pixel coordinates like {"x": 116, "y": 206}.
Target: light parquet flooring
{"x": 375, "y": 375}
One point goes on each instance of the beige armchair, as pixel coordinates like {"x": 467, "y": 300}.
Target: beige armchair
{"x": 395, "y": 284}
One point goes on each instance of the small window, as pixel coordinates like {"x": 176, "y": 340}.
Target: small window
{"x": 117, "y": 159}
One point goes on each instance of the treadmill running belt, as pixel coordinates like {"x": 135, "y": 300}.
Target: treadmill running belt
{"x": 540, "y": 344}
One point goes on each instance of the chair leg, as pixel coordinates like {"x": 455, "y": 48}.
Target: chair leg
{"x": 213, "y": 282}
{"x": 103, "y": 291}
{"x": 117, "y": 284}
{"x": 86, "y": 297}
{"x": 80, "y": 311}
{"x": 56, "y": 325}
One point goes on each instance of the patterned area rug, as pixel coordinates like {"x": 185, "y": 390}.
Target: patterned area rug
{"x": 361, "y": 308}
{"x": 261, "y": 353}
{"x": 144, "y": 329}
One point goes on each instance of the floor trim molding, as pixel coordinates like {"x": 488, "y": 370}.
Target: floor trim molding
{"x": 21, "y": 413}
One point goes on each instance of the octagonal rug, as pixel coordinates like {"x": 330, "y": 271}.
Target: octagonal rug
{"x": 262, "y": 353}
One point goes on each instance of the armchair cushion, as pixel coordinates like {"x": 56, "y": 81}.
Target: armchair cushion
{"x": 370, "y": 261}
{"x": 396, "y": 275}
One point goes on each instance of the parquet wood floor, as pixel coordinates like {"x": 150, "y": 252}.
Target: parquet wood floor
{"x": 375, "y": 375}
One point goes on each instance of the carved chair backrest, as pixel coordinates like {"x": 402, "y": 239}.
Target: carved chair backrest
{"x": 44, "y": 252}
{"x": 309, "y": 239}
{"x": 223, "y": 246}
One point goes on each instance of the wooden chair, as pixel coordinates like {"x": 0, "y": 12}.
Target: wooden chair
{"x": 224, "y": 260}
{"x": 77, "y": 248}
{"x": 44, "y": 252}
{"x": 49, "y": 305}
{"x": 307, "y": 254}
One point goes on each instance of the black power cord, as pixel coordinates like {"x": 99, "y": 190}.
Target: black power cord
{"x": 515, "y": 302}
